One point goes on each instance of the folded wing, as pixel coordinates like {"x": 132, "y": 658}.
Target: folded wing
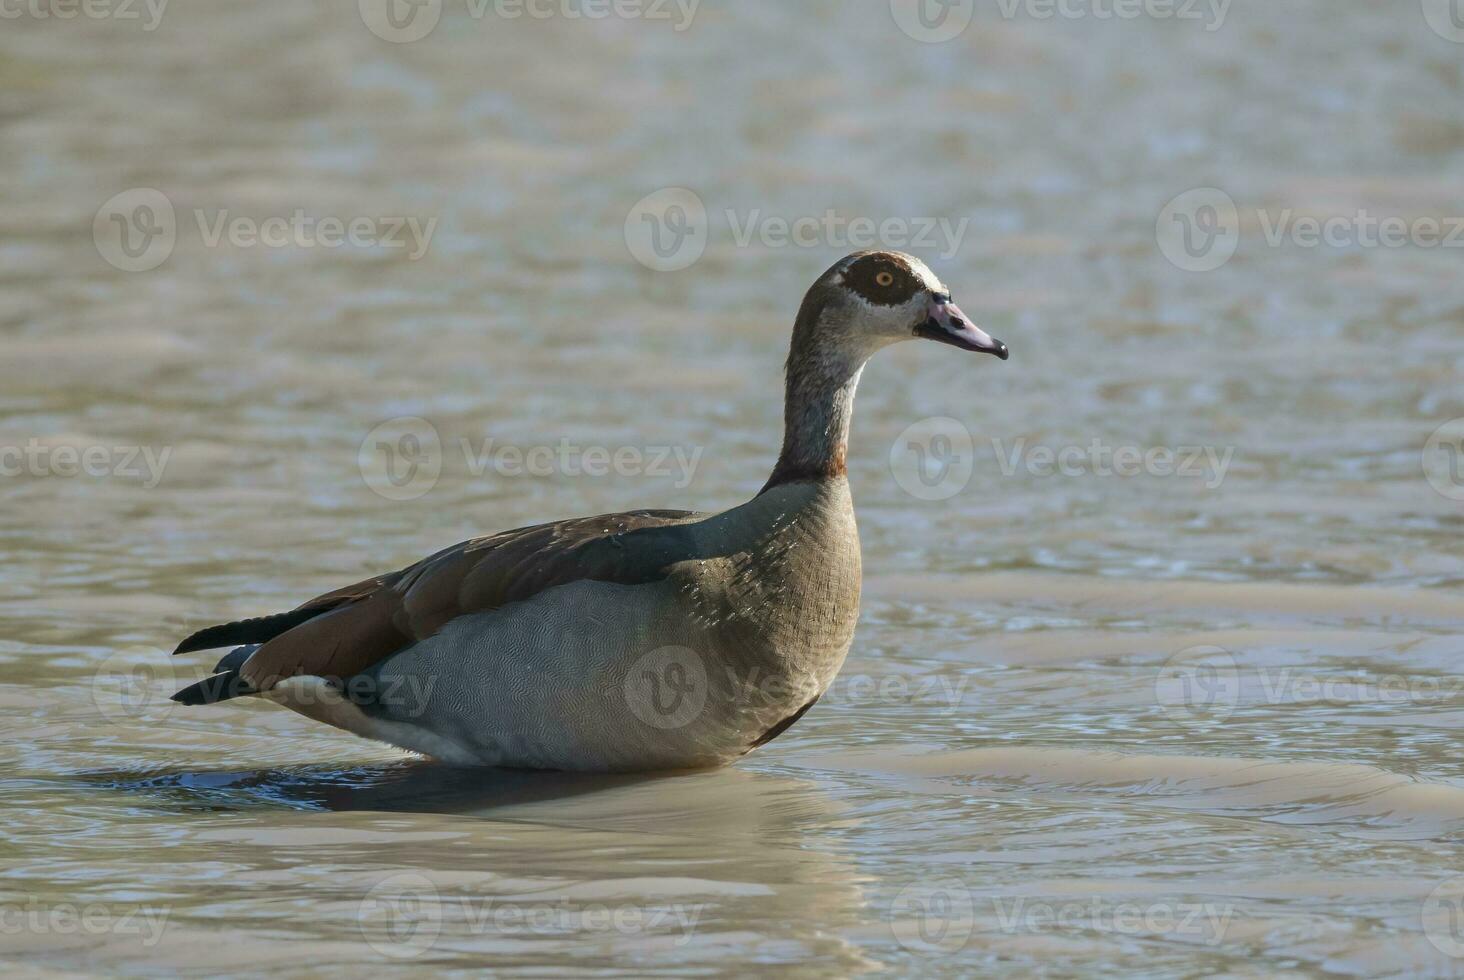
{"x": 341, "y": 633}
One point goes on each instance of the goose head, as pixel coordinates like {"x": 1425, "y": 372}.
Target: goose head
{"x": 865, "y": 302}
{"x": 869, "y": 300}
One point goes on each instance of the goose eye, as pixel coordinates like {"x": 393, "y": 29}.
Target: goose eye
{"x": 885, "y": 279}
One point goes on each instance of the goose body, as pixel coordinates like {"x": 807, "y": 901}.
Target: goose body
{"x": 648, "y": 640}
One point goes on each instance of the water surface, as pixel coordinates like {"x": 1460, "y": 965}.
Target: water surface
{"x": 1149, "y": 725}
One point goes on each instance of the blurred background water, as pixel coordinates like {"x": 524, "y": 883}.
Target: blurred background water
{"x": 1163, "y": 723}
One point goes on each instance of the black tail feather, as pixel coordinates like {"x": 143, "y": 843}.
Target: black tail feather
{"x": 259, "y": 630}
{"x": 234, "y": 659}
{"x": 219, "y": 687}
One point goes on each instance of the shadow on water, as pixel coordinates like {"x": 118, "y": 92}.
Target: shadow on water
{"x": 409, "y": 786}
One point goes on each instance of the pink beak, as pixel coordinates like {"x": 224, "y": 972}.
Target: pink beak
{"x": 946, "y": 323}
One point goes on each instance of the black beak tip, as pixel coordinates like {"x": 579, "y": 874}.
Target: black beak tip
{"x": 1001, "y": 351}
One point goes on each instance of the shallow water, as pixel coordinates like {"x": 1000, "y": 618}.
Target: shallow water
{"x": 1156, "y": 724}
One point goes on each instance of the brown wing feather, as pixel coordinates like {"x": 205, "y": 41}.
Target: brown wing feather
{"x": 368, "y": 622}
{"x": 265, "y": 628}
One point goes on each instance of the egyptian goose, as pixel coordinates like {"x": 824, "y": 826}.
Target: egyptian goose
{"x": 649, "y": 640}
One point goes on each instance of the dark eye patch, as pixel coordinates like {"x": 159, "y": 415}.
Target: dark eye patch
{"x": 883, "y": 280}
